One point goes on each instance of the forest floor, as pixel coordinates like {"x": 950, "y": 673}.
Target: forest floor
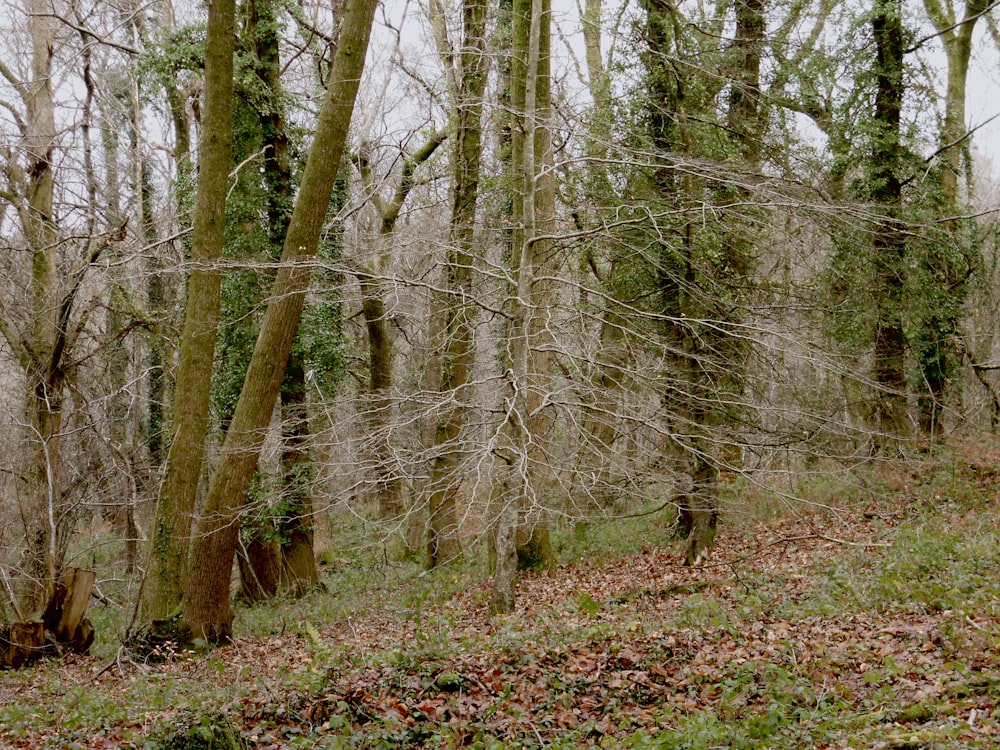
{"x": 867, "y": 618}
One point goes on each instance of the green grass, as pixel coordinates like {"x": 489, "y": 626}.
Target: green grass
{"x": 850, "y": 647}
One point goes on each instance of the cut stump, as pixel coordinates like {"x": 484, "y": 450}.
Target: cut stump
{"x": 64, "y": 617}
{"x": 64, "y": 621}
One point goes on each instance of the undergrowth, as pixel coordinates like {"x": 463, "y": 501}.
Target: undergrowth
{"x": 869, "y": 617}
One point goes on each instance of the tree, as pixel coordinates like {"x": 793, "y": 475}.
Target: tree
{"x": 277, "y": 553}
{"x": 453, "y": 309}
{"x": 948, "y": 263}
{"x": 599, "y": 429}
{"x": 521, "y": 448}
{"x": 888, "y": 235}
{"x": 50, "y": 330}
{"x": 206, "y": 611}
{"x": 171, "y": 533}
{"x": 387, "y": 482}
{"x": 702, "y": 271}
{"x": 41, "y": 350}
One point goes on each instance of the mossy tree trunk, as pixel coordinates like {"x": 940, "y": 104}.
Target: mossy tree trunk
{"x": 298, "y": 563}
{"x": 286, "y": 545}
{"x": 166, "y": 574}
{"x": 703, "y": 269}
{"x": 206, "y": 609}
{"x": 949, "y": 262}
{"x": 889, "y": 236}
{"x": 457, "y": 308}
{"x": 518, "y": 503}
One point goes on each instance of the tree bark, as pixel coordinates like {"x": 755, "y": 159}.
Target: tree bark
{"x": 889, "y": 242}
{"x": 206, "y": 608}
{"x": 518, "y": 503}
{"x": 938, "y": 348}
{"x": 457, "y": 307}
{"x": 171, "y": 532}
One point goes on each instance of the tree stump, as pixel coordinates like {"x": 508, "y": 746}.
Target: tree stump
{"x": 24, "y": 642}
{"x": 64, "y": 617}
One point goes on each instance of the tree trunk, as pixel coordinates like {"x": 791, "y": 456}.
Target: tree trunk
{"x": 698, "y": 271}
{"x": 387, "y": 483}
{"x": 65, "y": 615}
{"x": 21, "y": 643}
{"x": 206, "y": 609}
{"x": 889, "y": 240}
{"x": 42, "y": 355}
{"x": 744, "y": 117}
{"x": 288, "y": 565}
{"x": 938, "y": 348}
{"x": 171, "y": 532}
{"x": 260, "y": 569}
{"x": 600, "y": 399}
{"x": 298, "y": 563}
{"x": 387, "y": 486}
{"x": 518, "y": 502}
{"x": 534, "y": 545}
{"x": 457, "y": 308}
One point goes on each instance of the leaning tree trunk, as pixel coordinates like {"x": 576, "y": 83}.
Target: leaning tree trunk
{"x": 291, "y": 557}
{"x": 206, "y": 609}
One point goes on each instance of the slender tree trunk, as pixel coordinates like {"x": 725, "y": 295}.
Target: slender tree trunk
{"x": 166, "y": 571}
{"x": 891, "y": 421}
{"x": 158, "y": 296}
{"x": 534, "y": 545}
{"x": 121, "y": 350}
{"x": 298, "y": 563}
{"x": 206, "y": 610}
{"x": 42, "y": 356}
{"x": 600, "y": 400}
{"x": 700, "y": 510}
{"x": 458, "y": 310}
{"x": 518, "y": 504}
{"x": 938, "y": 348}
{"x": 387, "y": 483}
